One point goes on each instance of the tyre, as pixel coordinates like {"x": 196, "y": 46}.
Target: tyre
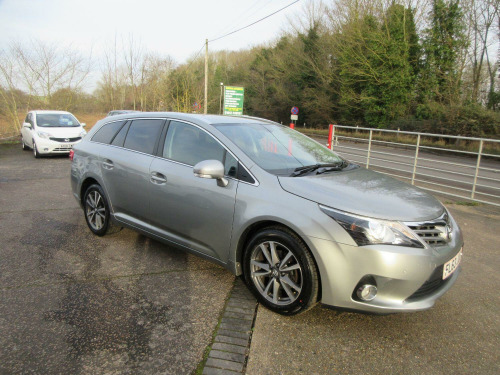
{"x": 96, "y": 209}
{"x": 36, "y": 154}
{"x": 24, "y": 145}
{"x": 280, "y": 271}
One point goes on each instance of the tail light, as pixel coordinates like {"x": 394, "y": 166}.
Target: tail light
{"x": 71, "y": 154}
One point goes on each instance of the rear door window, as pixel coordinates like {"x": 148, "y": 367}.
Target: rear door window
{"x": 143, "y": 135}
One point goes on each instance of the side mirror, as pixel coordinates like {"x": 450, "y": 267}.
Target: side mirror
{"x": 211, "y": 169}
{"x": 83, "y": 124}
{"x": 27, "y": 125}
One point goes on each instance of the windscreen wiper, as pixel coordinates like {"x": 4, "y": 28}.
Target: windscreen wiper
{"x": 311, "y": 168}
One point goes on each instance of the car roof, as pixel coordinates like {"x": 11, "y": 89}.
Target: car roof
{"x": 200, "y": 118}
{"x": 48, "y": 111}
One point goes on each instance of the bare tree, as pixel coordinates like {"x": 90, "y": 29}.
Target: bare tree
{"x": 8, "y": 90}
{"x": 133, "y": 53}
{"x": 482, "y": 17}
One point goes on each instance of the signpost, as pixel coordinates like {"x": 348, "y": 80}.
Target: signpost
{"x": 233, "y": 100}
{"x": 294, "y": 116}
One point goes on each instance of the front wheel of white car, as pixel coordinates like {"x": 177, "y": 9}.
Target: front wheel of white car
{"x": 280, "y": 271}
{"x": 36, "y": 154}
{"x": 24, "y": 145}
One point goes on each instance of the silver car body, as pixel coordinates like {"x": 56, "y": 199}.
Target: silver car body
{"x": 214, "y": 221}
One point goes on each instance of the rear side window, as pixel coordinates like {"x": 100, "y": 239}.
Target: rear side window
{"x": 143, "y": 135}
{"x": 106, "y": 133}
{"x": 189, "y": 145}
{"x": 120, "y": 137}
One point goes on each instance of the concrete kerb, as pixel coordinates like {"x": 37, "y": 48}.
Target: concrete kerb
{"x": 231, "y": 344}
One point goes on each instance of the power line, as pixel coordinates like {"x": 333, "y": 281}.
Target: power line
{"x": 195, "y": 56}
{"x": 236, "y": 20}
{"x": 253, "y": 23}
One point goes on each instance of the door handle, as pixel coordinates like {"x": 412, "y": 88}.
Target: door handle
{"x": 107, "y": 164}
{"x": 158, "y": 178}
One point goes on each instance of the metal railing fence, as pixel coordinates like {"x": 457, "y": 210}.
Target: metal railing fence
{"x": 462, "y": 167}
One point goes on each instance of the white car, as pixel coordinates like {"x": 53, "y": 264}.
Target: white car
{"x": 51, "y": 132}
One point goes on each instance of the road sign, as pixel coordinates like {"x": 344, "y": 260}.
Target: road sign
{"x": 233, "y": 100}
{"x": 295, "y": 110}
{"x": 294, "y": 117}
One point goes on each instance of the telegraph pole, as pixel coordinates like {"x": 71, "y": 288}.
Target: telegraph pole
{"x": 206, "y": 76}
{"x": 220, "y": 101}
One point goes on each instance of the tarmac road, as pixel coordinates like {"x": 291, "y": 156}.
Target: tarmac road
{"x": 75, "y": 303}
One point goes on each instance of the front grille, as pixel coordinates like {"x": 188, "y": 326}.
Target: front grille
{"x": 434, "y": 282}
{"x": 74, "y": 139}
{"x": 434, "y": 232}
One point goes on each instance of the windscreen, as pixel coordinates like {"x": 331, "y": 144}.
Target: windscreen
{"x": 276, "y": 148}
{"x": 56, "y": 120}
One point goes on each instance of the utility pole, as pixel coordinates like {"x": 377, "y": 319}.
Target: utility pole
{"x": 220, "y": 101}
{"x": 206, "y": 76}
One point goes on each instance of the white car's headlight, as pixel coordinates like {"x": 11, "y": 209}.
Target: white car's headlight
{"x": 44, "y": 134}
{"x": 83, "y": 133}
{"x": 367, "y": 231}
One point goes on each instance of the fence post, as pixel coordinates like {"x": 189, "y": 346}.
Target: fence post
{"x": 415, "y": 161}
{"x": 477, "y": 168}
{"x": 369, "y": 149}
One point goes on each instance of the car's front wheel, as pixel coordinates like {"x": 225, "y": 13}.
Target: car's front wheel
{"x": 36, "y": 154}
{"x": 280, "y": 271}
{"x": 96, "y": 210}
{"x": 24, "y": 144}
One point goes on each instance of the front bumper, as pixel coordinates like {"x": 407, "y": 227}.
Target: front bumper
{"x": 47, "y": 146}
{"x": 407, "y": 279}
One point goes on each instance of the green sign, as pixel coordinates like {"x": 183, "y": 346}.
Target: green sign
{"x": 233, "y": 100}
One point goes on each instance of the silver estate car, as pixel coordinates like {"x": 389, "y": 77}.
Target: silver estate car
{"x": 299, "y": 223}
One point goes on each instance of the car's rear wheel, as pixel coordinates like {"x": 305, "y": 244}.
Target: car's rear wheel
{"x": 36, "y": 154}
{"x": 280, "y": 271}
{"x": 96, "y": 210}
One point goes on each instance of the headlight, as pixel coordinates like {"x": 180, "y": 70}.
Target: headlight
{"x": 366, "y": 231}
{"x": 83, "y": 133}
{"x": 43, "y": 134}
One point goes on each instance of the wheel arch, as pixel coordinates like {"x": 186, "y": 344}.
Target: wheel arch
{"x": 258, "y": 226}
{"x": 85, "y": 185}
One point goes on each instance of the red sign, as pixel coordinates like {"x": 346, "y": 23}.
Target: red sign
{"x": 295, "y": 110}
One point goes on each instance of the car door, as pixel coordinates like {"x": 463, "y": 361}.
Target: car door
{"x": 191, "y": 211}
{"x": 125, "y": 169}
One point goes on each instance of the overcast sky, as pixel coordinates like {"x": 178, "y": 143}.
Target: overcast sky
{"x": 176, "y": 28}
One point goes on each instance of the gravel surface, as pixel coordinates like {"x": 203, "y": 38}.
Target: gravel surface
{"x": 75, "y": 303}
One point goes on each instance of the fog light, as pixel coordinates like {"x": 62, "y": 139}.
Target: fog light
{"x": 45, "y": 149}
{"x": 367, "y": 292}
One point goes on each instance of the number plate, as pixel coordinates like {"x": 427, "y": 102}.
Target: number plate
{"x": 450, "y": 266}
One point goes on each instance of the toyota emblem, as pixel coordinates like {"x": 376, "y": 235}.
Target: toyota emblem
{"x": 66, "y": 139}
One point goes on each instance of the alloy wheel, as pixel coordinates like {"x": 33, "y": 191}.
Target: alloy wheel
{"x": 95, "y": 210}
{"x": 276, "y": 273}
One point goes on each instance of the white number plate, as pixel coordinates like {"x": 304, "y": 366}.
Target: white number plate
{"x": 450, "y": 266}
